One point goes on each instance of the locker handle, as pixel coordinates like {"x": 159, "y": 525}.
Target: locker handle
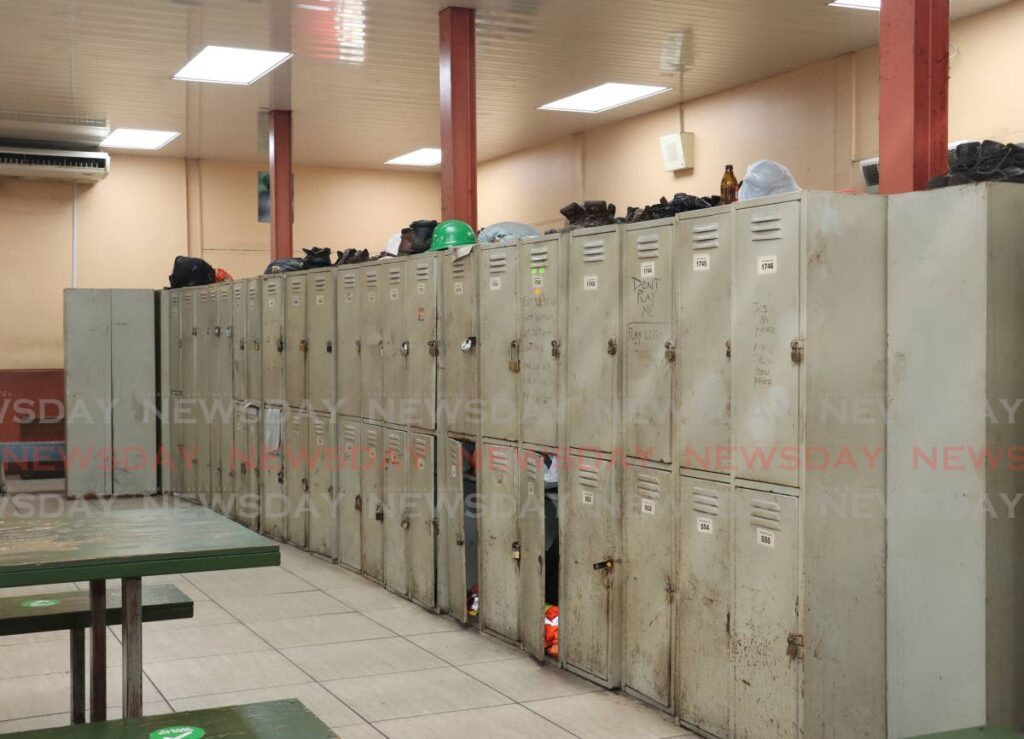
{"x": 795, "y": 646}
{"x": 255, "y": 345}
{"x": 380, "y": 347}
{"x": 796, "y": 350}
{"x": 303, "y": 346}
{"x": 241, "y": 467}
{"x": 468, "y": 343}
{"x": 241, "y": 345}
{"x": 229, "y": 332}
{"x": 432, "y": 347}
{"x": 216, "y": 330}
{"x": 404, "y": 348}
{"x": 728, "y": 348}
{"x": 359, "y": 346}
{"x": 670, "y": 351}
{"x": 613, "y": 347}
{"x": 556, "y": 348}
{"x": 379, "y": 515}
{"x": 460, "y": 539}
{"x": 513, "y": 356}
{"x": 194, "y": 331}
{"x": 330, "y": 347}
{"x": 405, "y": 521}
{"x": 359, "y": 503}
{"x": 604, "y": 565}
{"x": 305, "y": 485}
{"x": 280, "y": 478}
{"x": 280, "y": 345}
{"x": 517, "y": 550}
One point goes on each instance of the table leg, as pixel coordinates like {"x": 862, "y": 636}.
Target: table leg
{"x": 78, "y": 675}
{"x": 131, "y": 645}
{"x": 98, "y": 642}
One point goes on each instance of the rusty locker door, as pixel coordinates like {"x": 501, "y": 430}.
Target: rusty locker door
{"x": 239, "y": 385}
{"x": 500, "y": 544}
{"x": 395, "y": 360}
{"x": 349, "y": 342}
{"x": 423, "y": 345}
{"x": 540, "y": 264}
{"x": 350, "y": 502}
{"x": 247, "y": 479}
{"x": 370, "y": 480}
{"x": 371, "y": 342}
{"x": 420, "y": 511}
{"x": 320, "y": 473}
{"x": 320, "y": 314}
{"x": 273, "y": 504}
{"x": 461, "y": 336}
{"x": 455, "y": 509}
{"x": 296, "y": 341}
{"x": 395, "y": 475}
{"x": 296, "y": 474}
{"x": 253, "y": 341}
{"x": 500, "y": 347}
{"x": 533, "y": 564}
{"x": 273, "y": 340}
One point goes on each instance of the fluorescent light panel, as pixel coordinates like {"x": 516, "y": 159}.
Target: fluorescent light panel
{"x": 418, "y": 158}
{"x": 138, "y": 138}
{"x": 230, "y": 66}
{"x": 875, "y": 5}
{"x": 604, "y": 97}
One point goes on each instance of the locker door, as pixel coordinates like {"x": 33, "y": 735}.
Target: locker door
{"x": 396, "y": 522}
{"x": 540, "y": 279}
{"x": 238, "y": 347}
{"x": 188, "y": 446}
{"x": 254, "y": 342}
{"x": 766, "y": 638}
{"x": 461, "y": 334}
{"x": 395, "y": 363}
{"x": 223, "y": 340}
{"x": 500, "y": 359}
{"x": 371, "y": 346}
{"x": 419, "y": 509}
{"x": 296, "y": 477}
{"x": 350, "y": 502}
{"x": 704, "y": 675}
{"x": 648, "y": 582}
{"x": 189, "y": 339}
{"x": 175, "y": 343}
{"x": 500, "y": 546}
{"x": 372, "y": 529}
{"x": 238, "y": 465}
{"x": 221, "y": 431}
{"x": 273, "y": 503}
{"x": 226, "y": 458}
{"x": 593, "y": 341}
{"x": 348, "y": 350}
{"x": 532, "y": 566}
{"x": 588, "y": 613}
{"x": 649, "y": 349}
{"x": 175, "y": 446}
{"x": 320, "y": 326}
{"x": 766, "y": 321}
{"x": 423, "y": 348}
{"x": 455, "y": 508}
{"x": 247, "y": 439}
{"x": 296, "y": 341}
{"x": 273, "y": 340}
{"x": 704, "y": 298}
{"x": 321, "y": 485}
{"x": 206, "y": 436}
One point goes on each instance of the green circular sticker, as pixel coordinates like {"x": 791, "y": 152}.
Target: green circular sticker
{"x": 40, "y": 603}
{"x": 178, "y": 732}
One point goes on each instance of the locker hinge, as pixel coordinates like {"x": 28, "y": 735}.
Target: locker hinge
{"x": 404, "y": 348}
{"x": 435, "y": 523}
{"x": 796, "y": 350}
{"x": 241, "y": 345}
{"x": 280, "y": 478}
{"x": 380, "y": 347}
{"x": 556, "y": 348}
{"x": 795, "y": 650}
{"x": 517, "y": 550}
{"x": 613, "y": 347}
{"x": 432, "y": 347}
{"x": 513, "y": 356}
{"x": 728, "y": 348}
{"x": 670, "y": 351}
{"x": 604, "y": 565}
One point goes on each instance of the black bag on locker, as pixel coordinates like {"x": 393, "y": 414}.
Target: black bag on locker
{"x": 316, "y": 257}
{"x": 286, "y": 264}
{"x": 191, "y": 272}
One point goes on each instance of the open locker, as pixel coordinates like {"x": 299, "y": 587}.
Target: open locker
{"x": 500, "y": 542}
{"x": 372, "y": 505}
{"x": 395, "y": 351}
{"x": 499, "y": 350}
{"x": 371, "y": 342}
{"x": 421, "y": 307}
{"x": 248, "y": 444}
{"x": 460, "y": 506}
{"x": 321, "y": 466}
{"x": 349, "y": 388}
{"x": 394, "y": 480}
{"x": 461, "y": 335}
{"x": 273, "y": 502}
{"x": 350, "y": 502}
{"x": 296, "y": 341}
{"x": 420, "y": 507}
{"x": 296, "y": 476}
{"x": 320, "y": 317}
{"x": 272, "y": 315}
{"x": 539, "y": 544}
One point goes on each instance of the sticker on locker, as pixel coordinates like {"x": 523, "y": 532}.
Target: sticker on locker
{"x": 701, "y": 262}
{"x": 647, "y": 506}
{"x": 458, "y": 288}
{"x": 647, "y": 269}
{"x": 495, "y": 283}
{"x": 767, "y": 265}
{"x": 319, "y": 299}
{"x": 766, "y": 538}
{"x": 589, "y": 282}
{"x": 588, "y": 498}
{"x": 705, "y": 526}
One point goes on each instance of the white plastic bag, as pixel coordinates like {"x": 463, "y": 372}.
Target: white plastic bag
{"x": 765, "y": 177}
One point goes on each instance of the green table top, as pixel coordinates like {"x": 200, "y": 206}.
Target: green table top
{"x": 94, "y": 544}
{"x": 981, "y": 732}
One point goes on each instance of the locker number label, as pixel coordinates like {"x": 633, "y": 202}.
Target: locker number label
{"x": 647, "y": 506}
{"x": 495, "y": 283}
{"x": 455, "y": 471}
{"x": 419, "y": 463}
{"x": 319, "y": 299}
{"x": 458, "y": 288}
{"x": 588, "y": 498}
{"x": 766, "y": 538}
{"x": 705, "y": 526}
{"x": 647, "y": 269}
{"x": 421, "y": 288}
{"x": 701, "y": 262}
{"x": 530, "y": 488}
{"x": 767, "y": 265}
{"x": 537, "y": 281}
{"x": 394, "y": 293}
{"x": 589, "y": 282}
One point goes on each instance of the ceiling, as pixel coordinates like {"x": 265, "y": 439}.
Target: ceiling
{"x": 363, "y": 84}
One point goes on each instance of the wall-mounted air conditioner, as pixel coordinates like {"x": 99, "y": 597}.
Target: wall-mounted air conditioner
{"x": 52, "y": 164}
{"x": 869, "y": 167}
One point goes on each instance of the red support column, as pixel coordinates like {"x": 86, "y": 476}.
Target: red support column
{"x": 281, "y": 214}
{"x": 913, "y": 93}
{"x": 458, "y": 114}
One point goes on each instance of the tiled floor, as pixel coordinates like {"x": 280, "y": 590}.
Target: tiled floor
{"x": 367, "y": 662}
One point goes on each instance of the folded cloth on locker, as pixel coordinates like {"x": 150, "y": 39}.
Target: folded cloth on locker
{"x": 272, "y": 429}
{"x": 551, "y": 471}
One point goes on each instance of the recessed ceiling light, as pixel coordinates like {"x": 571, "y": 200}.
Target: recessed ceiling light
{"x": 604, "y": 97}
{"x": 418, "y": 158}
{"x": 138, "y": 138}
{"x": 231, "y": 66}
{"x": 857, "y": 4}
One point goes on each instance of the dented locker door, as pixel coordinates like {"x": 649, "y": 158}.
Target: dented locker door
{"x": 370, "y": 481}
{"x": 593, "y": 340}
{"x": 455, "y": 508}
{"x": 371, "y": 343}
{"x": 247, "y": 445}
{"x": 253, "y": 341}
{"x": 704, "y": 676}
{"x": 500, "y": 359}
{"x": 704, "y": 300}
{"x": 423, "y": 347}
{"x": 533, "y": 564}
{"x": 350, "y": 502}
{"x": 273, "y": 503}
{"x": 273, "y": 340}
{"x": 649, "y": 352}
{"x": 765, "y": 358}
{"x": 348, "y": 349}
{"x": 461, "y": 335}
{"x": 590, "y": 558}
{"x": 175, "y": 342}
{"x": 239, "y": 349}
{"x": 419, "y": 510}
{"x": 296, "y": 341}
{"x": 539, "y": 264}
{"x": 767, "y": 642}
{"x": 648, "y": 584}
{"x": 296, "y": 477}
{"x": 500, "y": 545}
{"x": 320, "y": 313}
{"x": 395, "y": 465}
{"x": 321, "y": 485}
{"x": 395, "y": 362}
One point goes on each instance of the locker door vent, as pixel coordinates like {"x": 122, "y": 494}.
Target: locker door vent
{"x": 422, "y": 271}
{"x": 349, "y": 279}
{"x": 188, "y": 298}
{"x": 588, "y": 476}
{"x": 253, "y": 289}
{"x": 395, "y": 276}
{"x": 320, "y": 283}
{"x": 766, "y": 514}
{"x": 321, "y": 427}
{"x": 706, "y": 237}
{"x": 350, "y": 435}
{"x": 706, "y": 501}
{"x": 766, "y": 227}
{"x": 648, "y": 246}
{"x": 500, "y": 460}
{"x": 420, "y": 447}
{"x": 459, "y": 268}
{"x": 593, "y": 251}
{"x": 498, "y": 264}
{"x": 648, "y": 485}
{"x": 533, "y": 464}
{"x": 296, "y": 286}
{"x": 372, "y": 437}
{"x": 371, "y": 278}
{"x": 239, "y": 294}
{"x": 539, "y": 256}
{"x": 272, "y": 288}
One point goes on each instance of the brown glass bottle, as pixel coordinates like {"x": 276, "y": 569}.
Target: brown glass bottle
{"x": 730, "y": 187}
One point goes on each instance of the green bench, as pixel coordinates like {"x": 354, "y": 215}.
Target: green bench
{"x": 287, "y": 719}
{"x": 69, "y": 611}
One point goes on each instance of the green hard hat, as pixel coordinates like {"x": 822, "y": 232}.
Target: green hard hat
{"x": 448, "y": 234}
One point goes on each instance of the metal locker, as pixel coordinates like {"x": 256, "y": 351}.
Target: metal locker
{"x": 500, "y": 359}
{"x": 189, "y": 340}
{"x": 175, "y": 342}
{"x": 253, "y": 341}
{"x": 224, "y": 500}
{"x": 395, "y": 333}
{"x": 273, "y": 340}
{"x": 500, "y": 545}
{"x": 238, "y": 344}
{"x": 320, "y": 316}
{"x": 648, "y": 583}
{"x": 371, "y": 343}
{"x": 533, "y": 564}
{"x": 593, "y": 338}
{"x": 703, "y": 289}
{"x": 419, "y": 509}
{"x": 370, "y": 480}
{"x": 421, "y": 308}
{"x": 455, "y": 509}
{"x": 296, "y": 476}
{"x": 395, "y": 480}
{"x": 704, "y": 672}
{"x": 767, "y": 640}
{"x": 174, "y": 446}
{"x": 541, "y": 269}
{"x": 223, "y": 334}
{"x": 321, "y": 483}
{"x": 273, "y": 502}
{"x": 649, "y": 351}
{"x": 766, "y": 341}
{"x": 348, "y": 386}
{"x": 296, "y": 341}
{"x": 247, "y": 468}
{"x": 188, "y": 446}
{"x": 461, "y": 333}
{"x": 350, "y": 502}
{"x": 206, "y": 436}
{"x": 219, "y": 411}
{"x": 589, "y": 608}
